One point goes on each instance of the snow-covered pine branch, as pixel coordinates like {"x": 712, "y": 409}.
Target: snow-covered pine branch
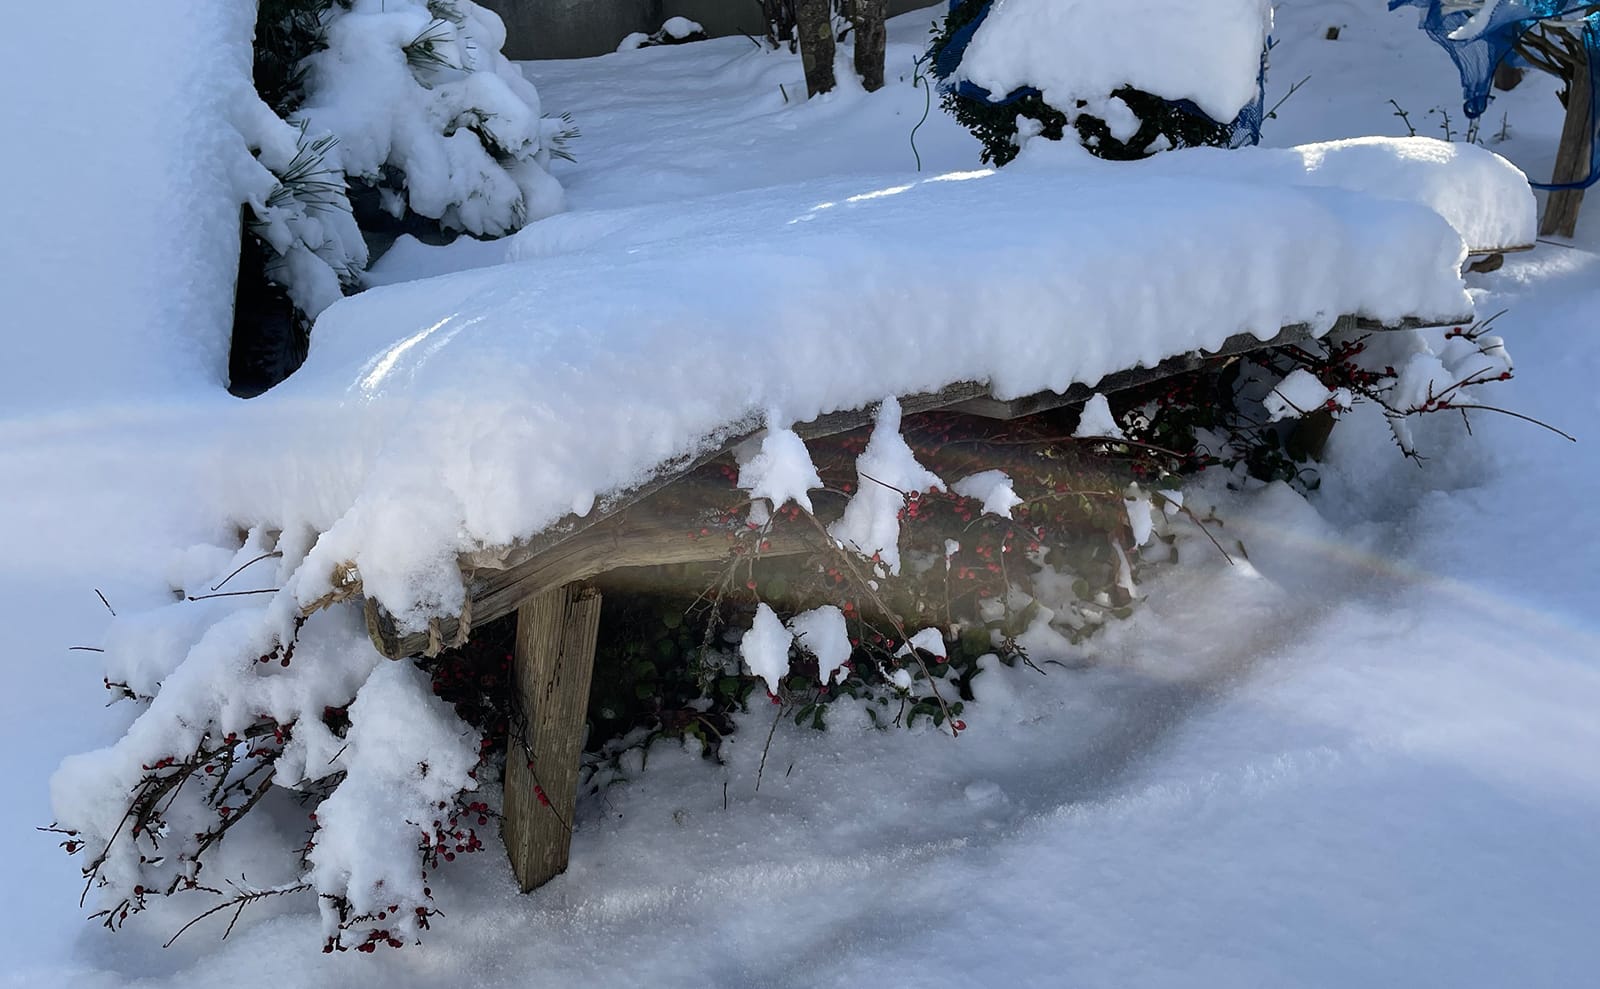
{"x": 408, "y": 105}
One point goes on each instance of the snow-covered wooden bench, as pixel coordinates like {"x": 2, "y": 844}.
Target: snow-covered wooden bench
{"x": 553, "y": 583}
{"x": 541, "y": 424}
{"x": 518, "y": 437}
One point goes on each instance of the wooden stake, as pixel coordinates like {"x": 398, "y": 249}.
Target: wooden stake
{"x": 1572, "y": 157}
{"x": 554, "y": 662}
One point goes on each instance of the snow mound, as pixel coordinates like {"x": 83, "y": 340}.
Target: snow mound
{"x": 822, "y": 633}
{"x": 887, "y": 475}
{"x": 1097, "y": 422}
{"x": 1483, "y": 196}
{"x": 777, "y": 472}
{"x": 992, "y": 488}
{"x": 765, "y": 647}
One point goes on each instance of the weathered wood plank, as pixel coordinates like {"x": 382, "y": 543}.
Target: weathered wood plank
{"x": 630, "y": 539}
{"x": 553, "y": 665}
{"x": 1572, "y": 157}
{"x": 614, "y": 536}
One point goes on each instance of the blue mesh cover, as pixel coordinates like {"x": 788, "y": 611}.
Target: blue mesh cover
{"x": 1246, "y": 126}
{"x": 1478, "y": 55}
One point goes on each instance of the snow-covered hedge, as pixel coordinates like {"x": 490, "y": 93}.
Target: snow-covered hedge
{"x": 1127, "y": 79}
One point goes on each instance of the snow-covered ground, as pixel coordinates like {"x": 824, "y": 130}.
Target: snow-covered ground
{"x": 1366, "y": 757}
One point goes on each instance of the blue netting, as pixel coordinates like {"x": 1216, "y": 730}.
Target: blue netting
{"x": 1246, "y": 126}
{"x": 1480, "y": 51}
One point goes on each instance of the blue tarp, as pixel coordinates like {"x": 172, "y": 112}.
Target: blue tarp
{"x": 1480, "y": 50}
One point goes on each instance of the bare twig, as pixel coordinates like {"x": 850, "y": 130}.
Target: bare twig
{"x": 767, "y": 747}
{"x": 264, "y": 556}
{"x": 239, "y": 902}
{"x": 1185, "y": 509}
{"x": 1272, "y": 114}
{"x": 232, "y": 594}
{"x": 865, "y": 586}
{"x": 1515, "y": 415}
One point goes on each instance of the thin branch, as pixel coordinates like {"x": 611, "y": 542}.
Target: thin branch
{"x": 1272, "y": 114}
{"x": 232, "y": 594}
{"x": 866, "y": 587}
{"x": 240, "y": 902}
{"x": 264, "y": 556}
{"x": 767, "y": 747}
{"x": 1516, "y": 415}
{"x": 868, "y": 477}
{"x": 1185, "y": 509}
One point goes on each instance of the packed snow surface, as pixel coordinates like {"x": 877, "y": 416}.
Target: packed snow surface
{"x": 1074, "y": 50}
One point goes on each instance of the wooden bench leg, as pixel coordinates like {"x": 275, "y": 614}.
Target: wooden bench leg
{"x": 1572, "y": 159}
{"x": 553, "y": 665}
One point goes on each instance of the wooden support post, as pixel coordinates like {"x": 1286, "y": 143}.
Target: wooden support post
{"x": 554, "y": 662}
{"x": 1572, "y": 157}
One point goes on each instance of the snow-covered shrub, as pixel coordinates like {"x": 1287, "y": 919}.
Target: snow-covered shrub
{"x": 248, "y": 704}
{"x": 918, "y": 584}
{"x": 428, "y": 112}
{"x": 897, "y": 605}
{"x": 1127, "y": 80}
{"x": 1267, "y": 415}
{"x": 673, "y": 31}
{"x": 372, "y": 114}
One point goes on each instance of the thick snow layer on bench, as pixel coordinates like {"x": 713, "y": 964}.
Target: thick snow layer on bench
{"x": 1486, "y": 198}
{"x": 1074, "y": 50}
{"x": 478, "y": 408}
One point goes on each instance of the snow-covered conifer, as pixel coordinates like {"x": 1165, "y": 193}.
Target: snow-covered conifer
{"x": 372, "y": 112}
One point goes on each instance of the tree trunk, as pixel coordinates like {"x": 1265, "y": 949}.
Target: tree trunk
{"x": 868, "y": 16}
{"x": 815, "y": 21}
{"x": 1572, "y": 157}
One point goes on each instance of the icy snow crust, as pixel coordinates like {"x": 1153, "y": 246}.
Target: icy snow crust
{"x": 472, "y": 410}
{"x": 1084, "y": 49}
